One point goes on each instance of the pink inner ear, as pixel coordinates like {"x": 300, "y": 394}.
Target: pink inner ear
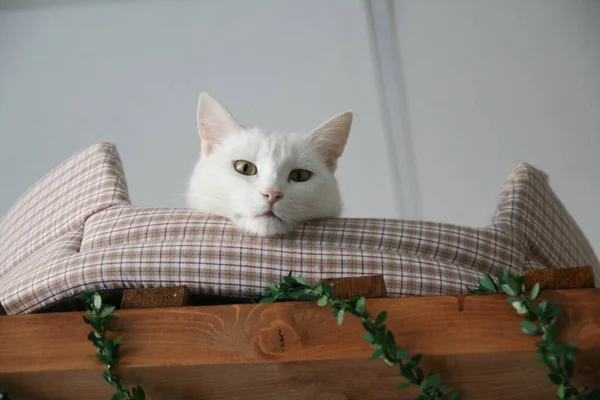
{"x": 331, "y": 136}
{"x": 207, "y": 147}
{"x": 330, "y": 160}
{"x": 214, "y": 123}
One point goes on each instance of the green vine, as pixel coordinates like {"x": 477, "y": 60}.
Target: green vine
{"x": 99, "y": 317}
{"x": 540, "y": 319}
{"x": 381, "y": 338}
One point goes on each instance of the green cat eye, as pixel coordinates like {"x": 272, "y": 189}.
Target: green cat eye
{"x": 300, "y": 175}
{"x": 245, "y": 167}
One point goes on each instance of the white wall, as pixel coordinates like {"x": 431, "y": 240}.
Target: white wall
{"x": 469, "y": 88}
{"x": 492, "y": 83}
{"x": 73, "y": 73}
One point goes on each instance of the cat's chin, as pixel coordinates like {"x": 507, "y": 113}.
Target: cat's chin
{"x": 263, "y": 226}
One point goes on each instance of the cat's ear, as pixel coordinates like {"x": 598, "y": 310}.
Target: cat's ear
{"x": 214, "y": 123}
{"x": 331, "y": 137}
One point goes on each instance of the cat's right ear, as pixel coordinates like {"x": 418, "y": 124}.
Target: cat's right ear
{"x": 214, "y": 123}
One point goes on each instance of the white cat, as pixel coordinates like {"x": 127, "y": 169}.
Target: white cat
{"x": 266, "y": 183}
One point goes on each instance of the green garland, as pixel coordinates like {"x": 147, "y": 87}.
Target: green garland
{"x": 99, "y": 316}
{"x": 540, "y": 319}
{"x": 381, "y": 338}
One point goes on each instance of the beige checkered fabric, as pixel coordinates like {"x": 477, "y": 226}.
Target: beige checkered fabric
{"x": 60, "y": 203}
{"x": 531, "y": 212}
{"x": 95, "y": 240}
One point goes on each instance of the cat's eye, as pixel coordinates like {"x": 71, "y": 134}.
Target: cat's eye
{"x": 300, "y": 175}
{"x": 245, "y": 167}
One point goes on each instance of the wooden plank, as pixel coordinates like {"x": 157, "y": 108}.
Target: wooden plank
{"x": 356, "y": 286}
{"x": 295, "y": 350}
{"x": 561, "y": 278}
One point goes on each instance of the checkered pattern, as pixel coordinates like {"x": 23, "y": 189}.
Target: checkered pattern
{"x": 86, "y": 183}
{"x": 530, "y": 211}
{"x": 86, "y": 236}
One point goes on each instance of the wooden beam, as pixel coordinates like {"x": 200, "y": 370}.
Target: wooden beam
{"x": 161, "y": 297}
{"x": 356, "y": 286}
{"x": 296, "y": 350}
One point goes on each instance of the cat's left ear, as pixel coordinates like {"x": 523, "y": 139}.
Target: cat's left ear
{"x": 331, "y": 137}
{"x": 214, "y": 123}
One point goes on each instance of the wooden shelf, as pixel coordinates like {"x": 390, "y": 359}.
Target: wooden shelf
{"x": 296, "y": 350}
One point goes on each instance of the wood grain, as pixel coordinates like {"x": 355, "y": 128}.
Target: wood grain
{"x": 295, "y": 350}
{"x": 356, "y": 286}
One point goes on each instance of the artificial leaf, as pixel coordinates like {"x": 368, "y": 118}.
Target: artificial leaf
{"x": 554, "y": 311}
{"x": 297, "y": 294}
{"x": 455, "y": 395}
{"x": 378, "y": 353}
{"x": 488, "y": 283}
{"x": 360, "y": 304}
{"x": 401, "y": 353}
{"x": 414, "y": 361}
{"x": 520, "y": 307}
{"x": 138, "y": 393}
{"x": 319, "y": 288}
{"x": 569, "y": 368}
{"x": 560, "y": 392}
{"x": 535, "y": 310}
{"x": 328, "y": 289}
{"x": 97, "y": 301}
{"x": 106, "y": 311}
{"x": 369, "y": 326}
{"x": 119, "y": 395}
{"x": 432, "y": 380}
{"x": 301, "y": 280}
{"x": 508, "y": 290}
{"x": 419, "y": 373}
{"x": 390, "y": 338}
{"x": 340, "y": 317}
{"x": 322, "y": 301}
{"x": 289, "y": 279}
{"x": 514, "y": 285}
{"x": 555, "y": 378}
{"x": 369, "y": 337}
{"x": 535, "y": 291}
{"x": 380, "y": 317}
{"x": 102, "y": 358}
{"x": 550, "y": 334}
{"x": 529, "y": 328}
{"x": 272, "y": 289}
{"x": 268, "y": 300}
{"x": 403, "y": 385}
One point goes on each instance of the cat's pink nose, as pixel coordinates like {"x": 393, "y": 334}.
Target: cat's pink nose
{"x": 272, "y": 196}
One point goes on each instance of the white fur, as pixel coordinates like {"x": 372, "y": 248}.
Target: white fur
{"x": 217, "y": 188}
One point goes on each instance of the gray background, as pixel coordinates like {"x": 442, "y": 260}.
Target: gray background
{"x": 448, "y": 96}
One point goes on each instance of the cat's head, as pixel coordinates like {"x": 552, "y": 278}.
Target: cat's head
{"x": 265, "y": 182}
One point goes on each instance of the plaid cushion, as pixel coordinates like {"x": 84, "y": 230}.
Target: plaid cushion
{"x": 122, "y": 246}
{"x": 530, "y": 211}
{"x": 86, "y": 183}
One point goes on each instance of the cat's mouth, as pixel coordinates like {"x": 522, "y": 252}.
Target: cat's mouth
{"x": 268, "y": 214}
